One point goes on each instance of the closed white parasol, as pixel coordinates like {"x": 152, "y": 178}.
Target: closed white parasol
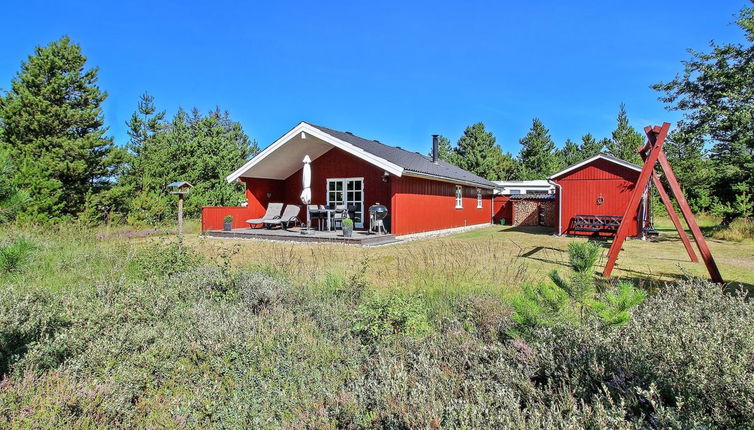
{"x": 306, "y": 195}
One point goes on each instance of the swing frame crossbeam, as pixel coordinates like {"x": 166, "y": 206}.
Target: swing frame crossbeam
{"x": 652, "y": 153}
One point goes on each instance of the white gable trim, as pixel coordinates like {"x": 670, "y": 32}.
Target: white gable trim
{"x": 308, "y": 129}
{"x": 619, "y": 162}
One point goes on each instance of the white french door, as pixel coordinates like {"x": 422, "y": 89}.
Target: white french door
{"x": 349, "y": 192}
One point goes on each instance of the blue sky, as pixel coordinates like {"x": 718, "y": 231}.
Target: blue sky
{"x": 394, "y": 71}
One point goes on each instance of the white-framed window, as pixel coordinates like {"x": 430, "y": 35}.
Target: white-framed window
{"x": 459, "y": 197}
{"x": 478, "y": 198}
{"x": 349, "y": 192}
{"x": 515, "y": 191}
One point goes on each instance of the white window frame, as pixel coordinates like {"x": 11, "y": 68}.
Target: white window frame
{"x": 344, "y": 181}
{"x": 479, "y": 198}
{"x": 459, "y": 197}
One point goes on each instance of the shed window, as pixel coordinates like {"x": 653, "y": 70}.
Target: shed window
{"x": 459, "y": 197}
{"x": 478, "y": 198}
{"x": 515, "y": 191}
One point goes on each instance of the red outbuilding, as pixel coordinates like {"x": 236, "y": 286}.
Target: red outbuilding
{"x": 421, "y": 193}
{"x": 598, "y": 187}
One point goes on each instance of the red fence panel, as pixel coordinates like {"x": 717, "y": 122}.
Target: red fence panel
{"x": 213, "y": 217}
{"x": 503, "y": 209}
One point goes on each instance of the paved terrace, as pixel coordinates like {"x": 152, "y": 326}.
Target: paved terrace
{"x": 295, "y": 235}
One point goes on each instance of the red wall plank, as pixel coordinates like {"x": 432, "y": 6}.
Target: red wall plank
{"x": 421, "y": 205}
{"x": 583, "y": 187}
{"x": 337, "y": 163}
{"x": 414, "y": 204}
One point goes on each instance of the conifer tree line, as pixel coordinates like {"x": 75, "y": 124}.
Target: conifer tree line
{"x": 539, "y": 156}
{"x": 58, "y": 163}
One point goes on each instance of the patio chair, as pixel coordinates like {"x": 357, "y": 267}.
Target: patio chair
{"x": 341, "y": 212}
{"x": 315, "y": 214}
{"x": 289, "y": 216}
{"x": 273, "y": 212}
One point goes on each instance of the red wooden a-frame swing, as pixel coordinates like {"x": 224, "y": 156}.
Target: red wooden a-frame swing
{"x": 652, "y": 153}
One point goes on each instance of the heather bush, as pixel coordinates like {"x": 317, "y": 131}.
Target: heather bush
{"x": 383, "y": 318}
{"x": 27, "y": 321}
{"x": 159, "y": 259}
{"x": 259, "y": 291}
{"x": 482, "y": 315}
{"x": 690, "y": 347}
{"x": 212, "y": 346}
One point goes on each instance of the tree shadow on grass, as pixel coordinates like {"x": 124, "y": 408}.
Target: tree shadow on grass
{"x": 544, "y": 252}
{"x": 529, "y": 229}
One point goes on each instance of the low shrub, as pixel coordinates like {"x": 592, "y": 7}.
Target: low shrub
{"x": 685, "y": 357}
{"x": 259, "y": 291}
{"x": 737, "y": 231}
{"x": 28, "y": 321}
{"x": 14, "y": 254}
{"x": 482, "y": 315}
{"x": 383, "y": 318}
{"x": 159, "y": 259}
{"x": 213, "y": 347}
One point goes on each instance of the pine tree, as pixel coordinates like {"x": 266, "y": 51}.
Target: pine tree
{"x": 53, "y": 126}
{"x": 219, "y": 146}
{"x": 625, "y": 139}
{"x": 691, "y": 166}
{"x": 716, "y": 95}
{"x": 590, "y": 146}
{"x": 143, "y": 128}
{"x": 11, "y": 199}
{"x": 506, "y": 166}
{"x": 570, "y": 153}
{"x": 537, "y": 157}
{"x": 475, "y": 151}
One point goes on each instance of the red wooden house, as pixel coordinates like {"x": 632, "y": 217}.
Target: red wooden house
{"x": 422, "y": 193}
{"x": 600, "y": 185}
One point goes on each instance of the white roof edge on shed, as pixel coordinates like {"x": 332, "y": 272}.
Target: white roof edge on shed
{"x": 306, "y": 128}
{"x": 617, "y": 161}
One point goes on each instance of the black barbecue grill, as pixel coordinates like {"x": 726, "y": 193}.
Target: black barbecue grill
{"x": 377, "y": 215}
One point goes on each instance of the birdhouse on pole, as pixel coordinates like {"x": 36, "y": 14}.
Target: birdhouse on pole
{"x": 181, "y": 188}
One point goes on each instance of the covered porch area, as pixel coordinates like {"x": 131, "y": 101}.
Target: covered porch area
{"x": 341, "y": 176}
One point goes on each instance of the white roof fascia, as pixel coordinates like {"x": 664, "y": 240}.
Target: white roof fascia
{"x": 306, "y": 128}
{"x": 589, "y": 160}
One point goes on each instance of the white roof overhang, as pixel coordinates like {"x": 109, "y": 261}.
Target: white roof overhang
{"x": 284, "y": 156}
{"x": 590, "y": 159}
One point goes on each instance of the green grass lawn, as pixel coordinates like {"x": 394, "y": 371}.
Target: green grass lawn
{"x": 494, "y": 259}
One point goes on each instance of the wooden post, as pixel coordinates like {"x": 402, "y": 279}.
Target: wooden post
{"x": 669, "y": 206}
{"x": 674, "y": 217}
{"x": 180, "y": 213}
{"x": 655, "y": 139}
{"x": 633, "y": 204}
{"x": 709, "y": 261}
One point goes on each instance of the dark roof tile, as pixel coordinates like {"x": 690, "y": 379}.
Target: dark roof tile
{"x": 410, "y": 161}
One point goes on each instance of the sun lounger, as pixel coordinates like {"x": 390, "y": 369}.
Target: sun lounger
{"x": 289, "y": 216}
{"x": 273, "y": 212}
